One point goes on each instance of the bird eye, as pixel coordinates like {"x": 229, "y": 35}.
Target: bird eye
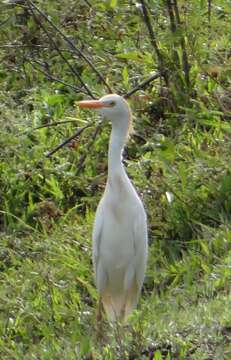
{"x": 111, "y": 103}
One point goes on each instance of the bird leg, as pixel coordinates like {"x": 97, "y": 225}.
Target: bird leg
{"x": 99, "y": 314}
{"x": 123, "y": 313}
{"x": 99, "y": 320}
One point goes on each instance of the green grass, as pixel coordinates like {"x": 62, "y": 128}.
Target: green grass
{"x": 48, "y": 301}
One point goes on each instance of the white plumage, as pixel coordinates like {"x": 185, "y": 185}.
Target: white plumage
{"x": 120, "y": 228}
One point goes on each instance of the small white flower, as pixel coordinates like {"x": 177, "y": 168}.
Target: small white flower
{"x": 169, "y": 196}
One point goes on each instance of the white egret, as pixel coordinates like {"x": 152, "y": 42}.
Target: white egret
{"x": 120, "y": 228}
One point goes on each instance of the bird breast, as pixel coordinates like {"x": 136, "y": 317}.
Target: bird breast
{"x": 120, "y": 206}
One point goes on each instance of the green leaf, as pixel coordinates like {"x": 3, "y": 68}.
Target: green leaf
{"x": 56, "y": 99}
{"x": 158, "y": 355}
{"x": 205, "y": 248}
{"x": 132, "y": 55}
{"x": 125, "y": 76}
{"x": 113, "y": 4}
{"x": 183, "y": 175}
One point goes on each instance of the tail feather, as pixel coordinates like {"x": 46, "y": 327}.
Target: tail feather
{"x": 119, "y": 307}
{"x": 131, "y": 299}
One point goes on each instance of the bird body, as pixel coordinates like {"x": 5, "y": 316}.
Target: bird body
{"x": 120, "y": 227}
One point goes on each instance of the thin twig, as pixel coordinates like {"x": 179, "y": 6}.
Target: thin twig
{"x": 88, "y": 3}
{"x": 151, "y": 32}
{"x": 52, "y": 41}
{"x": 53, "y": 78}
{"x": 33, "y": 46}
{"x": 89, "y": 145}
{"x": 153, "y": 40}
{"x": 79, "y": 52}
{"x": 5, "y": 21}
{"x": 185, "y": 62}
{"x": 173, "y": 29}
{"x": 143, "y": 84}
{"x": 60, "y": 146}
{"x": 209, "y": 12}
{"x": 171, "y": 16}
{"x": 210, "y": 36}
{"x": 54, "y": 124}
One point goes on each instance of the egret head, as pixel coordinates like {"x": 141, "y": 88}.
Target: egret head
{"x": 113, "y": 107}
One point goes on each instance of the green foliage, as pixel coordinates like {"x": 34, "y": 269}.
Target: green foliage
{"x": 178, "y": 160}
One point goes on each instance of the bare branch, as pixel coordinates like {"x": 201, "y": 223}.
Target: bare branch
{"x": 88, "y": 3}
{"x": 60, "y": 146}
{"x": 171, "y": 16}
{"x": 209, "y": 12}
{"x": 153, "y": 40}
{"x": 54, "y": 124}
{"x": 53, "y": 78}
{"x": 143, "y": 84}
{"x": 5, "y": 21}
{"x": 80, "y": 165}
{"x": 33, "y": 46}
{"x": 173, "y": 29}
{"x": 79, "y": 52}
{"x": 185, "y": 62}
{"x": 151, "y": 32}
{"x": 52, "y": 41}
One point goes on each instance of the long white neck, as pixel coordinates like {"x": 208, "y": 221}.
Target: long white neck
{"x": 116, "y": 146}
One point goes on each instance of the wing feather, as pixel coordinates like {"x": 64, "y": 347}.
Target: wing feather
{"x": 100, "y": 272}
{"x": 97, "y": 234}
{"x": 141, "y": 247}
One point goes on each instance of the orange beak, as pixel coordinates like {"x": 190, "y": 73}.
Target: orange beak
{"x": 90, "y": 104}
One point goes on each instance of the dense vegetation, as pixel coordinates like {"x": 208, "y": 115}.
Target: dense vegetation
{"x": 178, "y": 158}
